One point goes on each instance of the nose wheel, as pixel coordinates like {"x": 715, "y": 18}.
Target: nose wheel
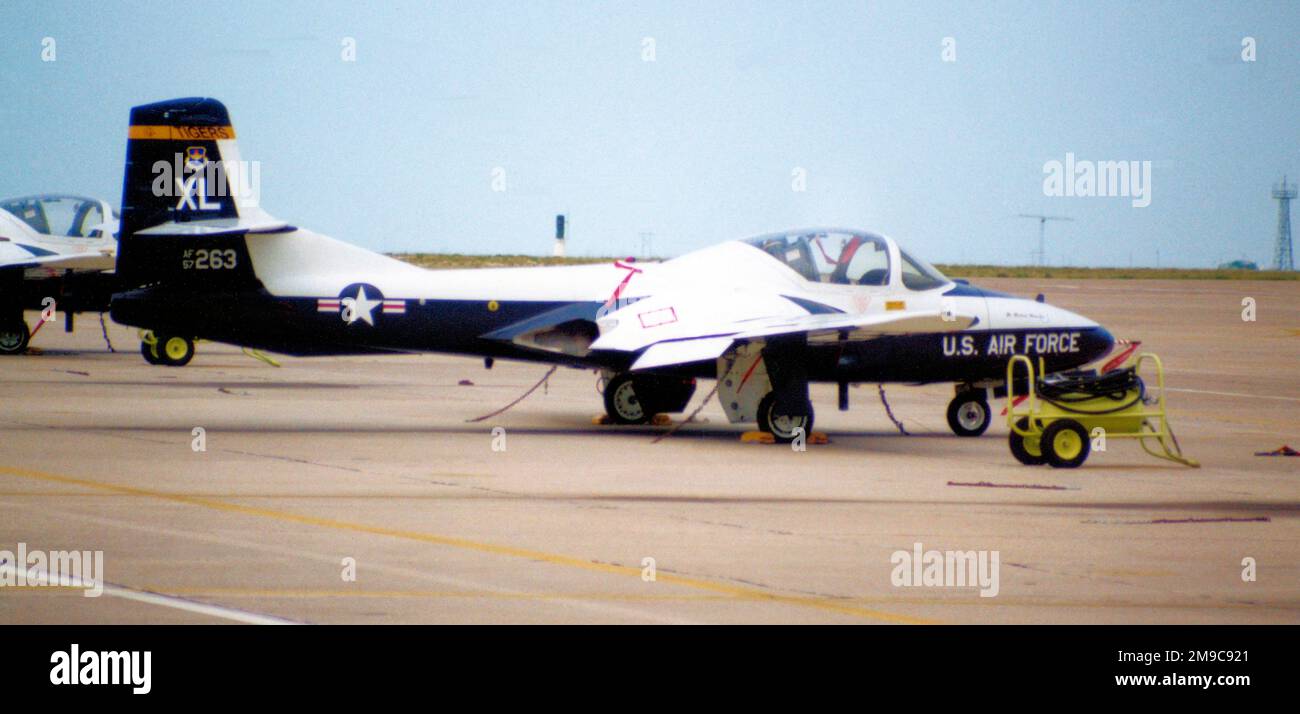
{"x": 969, "y": 413}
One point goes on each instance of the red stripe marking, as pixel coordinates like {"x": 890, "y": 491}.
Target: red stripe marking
{"x": 1119, "y": 358}
{"x": 39, "y": 325}
{"x": 1015, "y": 403}
{"x": 618, "y": 290}
{"x": 748, "y": 373}
{"x": 667, "y": 319}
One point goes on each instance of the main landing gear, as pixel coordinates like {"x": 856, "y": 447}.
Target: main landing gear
{"x": 167, "y": 350}
{"x": 969, "y": 413}
{"x": 14, "y": 335}
{"x": 785, "y": 411}
{"x": 636, "y": 399}
{"x": 785, "y": 420}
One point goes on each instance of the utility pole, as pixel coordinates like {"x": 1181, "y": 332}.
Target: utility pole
{"x": 1042, "y": 230}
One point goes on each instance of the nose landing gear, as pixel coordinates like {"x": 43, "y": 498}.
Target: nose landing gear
{"x": 969, "y": 413}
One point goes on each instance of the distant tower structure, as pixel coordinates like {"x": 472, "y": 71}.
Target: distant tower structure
{"x": 1042, "y": 231}
{"x": 559, "y": 236}
{"x": 1283, "y": 257}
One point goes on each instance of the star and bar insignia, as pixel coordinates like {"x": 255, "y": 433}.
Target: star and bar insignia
{"x": 358, "y": 302}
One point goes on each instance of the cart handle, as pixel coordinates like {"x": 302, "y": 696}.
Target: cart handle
{"x": 1030, "y": 395}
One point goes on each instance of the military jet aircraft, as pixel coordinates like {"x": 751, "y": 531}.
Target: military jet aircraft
{"x": 763, "y": 316}
{"x": 55, "y": 248}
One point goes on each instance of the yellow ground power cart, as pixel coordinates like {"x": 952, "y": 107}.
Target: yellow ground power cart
{"x": 1058, "y": 417}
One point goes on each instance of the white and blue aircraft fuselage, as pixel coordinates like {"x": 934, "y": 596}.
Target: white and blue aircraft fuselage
{"x": 763, "y": 316}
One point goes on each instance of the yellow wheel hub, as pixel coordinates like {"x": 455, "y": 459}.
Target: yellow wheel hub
{"x": 1033, "y": 445}
{"x": 175, "y": 348}
{"x": 1067, "y": 444}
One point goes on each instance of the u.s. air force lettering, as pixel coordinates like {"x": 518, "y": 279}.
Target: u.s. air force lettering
{"x": 1007, "y": 344}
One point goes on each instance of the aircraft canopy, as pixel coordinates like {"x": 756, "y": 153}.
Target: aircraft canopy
{"x": 59, "y": 215}
{"x": 846, "y": 258}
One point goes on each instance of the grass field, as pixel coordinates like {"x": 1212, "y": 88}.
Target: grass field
{"x": 1017, "y": 271}
{"x": 444, "y": 261}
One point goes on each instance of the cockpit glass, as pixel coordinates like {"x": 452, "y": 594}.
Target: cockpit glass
{"x": 920, "y": 275}
{"x": 59, "y": 215}
{"x": 831, "y": 256}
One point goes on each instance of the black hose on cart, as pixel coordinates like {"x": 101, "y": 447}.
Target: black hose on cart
{"x": 1068, "y": 391}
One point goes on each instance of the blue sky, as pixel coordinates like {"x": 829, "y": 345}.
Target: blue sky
{"x": 396, "y": 151}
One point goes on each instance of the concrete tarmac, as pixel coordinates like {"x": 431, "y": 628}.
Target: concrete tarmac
{"x": 327, "y": 468}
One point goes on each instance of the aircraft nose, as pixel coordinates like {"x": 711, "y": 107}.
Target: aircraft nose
{"x": 1097, "y": 342}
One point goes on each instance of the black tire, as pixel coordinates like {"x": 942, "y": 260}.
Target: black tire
{"x": 969, "y": 413}
{"x": 622, "y": 404}
{"x": 671, "y": 394}
{"x": 1024, "y": 452}
{"x": 782, "y": 426}
{"x": 147, "y": 351}
{"x": 174, "y": 350}
{"x": 1065, "y": 444}
{"x": 14, "y": 337}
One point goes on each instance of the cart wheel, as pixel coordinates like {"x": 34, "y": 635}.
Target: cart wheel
{"x": 147, "y": 350}
{"x": 1025, "y": 448}
{"x": 1065, "y": 444}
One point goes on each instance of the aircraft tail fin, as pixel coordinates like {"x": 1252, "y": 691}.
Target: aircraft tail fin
{"x": 186, "y": 193}
{"x": 171, "y": 147}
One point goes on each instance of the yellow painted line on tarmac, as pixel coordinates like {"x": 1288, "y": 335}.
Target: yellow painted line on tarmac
{"x": 439, "y": 594}
{"x": 735, "y": 591}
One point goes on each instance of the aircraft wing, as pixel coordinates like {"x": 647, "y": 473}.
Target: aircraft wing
{"x": 682, "y": 329}
{"x": 838, "y": 327}
{"x": 17, "y": 257}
